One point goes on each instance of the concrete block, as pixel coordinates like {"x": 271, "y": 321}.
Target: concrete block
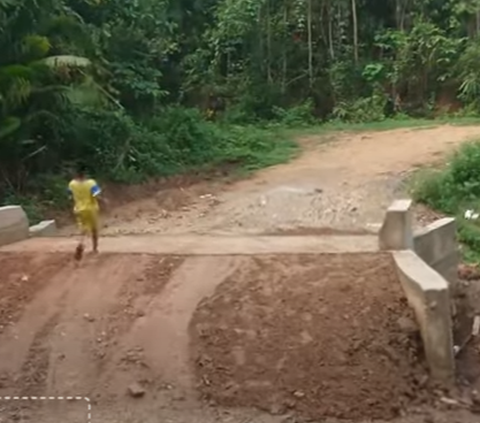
{"x": 44, "y": 228}
{"x": 396, "y": 231}
{"x": 13, "y": 224}
{"x": 448, "y": 267}
{"x": 429, "y": 296}
{"x": 436, "y": 240}
{"x": 436, "y": 244}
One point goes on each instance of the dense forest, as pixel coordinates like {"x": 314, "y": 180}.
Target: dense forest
{"x": 140, "y": 88}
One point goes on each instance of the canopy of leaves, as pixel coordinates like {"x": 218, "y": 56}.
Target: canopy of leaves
{"x": 92, "y": 79}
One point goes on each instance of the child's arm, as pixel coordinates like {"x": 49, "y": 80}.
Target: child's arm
{"x": 96, "y": 193}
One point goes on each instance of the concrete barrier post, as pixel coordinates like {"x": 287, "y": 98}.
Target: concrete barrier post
{"x": 428, "y": 294}
{"x": 13, "y": 224}
{"x": 45, "y": 228}
{"x": 436, "y": 244}
{"x": 396, "y": 231}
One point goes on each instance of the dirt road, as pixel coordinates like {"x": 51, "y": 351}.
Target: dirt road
{"x": 121, "y": 320}
{"x": 344, "y": 183}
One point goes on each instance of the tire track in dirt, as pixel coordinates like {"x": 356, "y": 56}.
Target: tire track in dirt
{"x": 134, "y": 300}
{"x": 35, "y": 369}
{"x": 65, "y": 330}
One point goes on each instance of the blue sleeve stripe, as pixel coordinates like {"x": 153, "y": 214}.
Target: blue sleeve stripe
{"x": 95, "y": 190}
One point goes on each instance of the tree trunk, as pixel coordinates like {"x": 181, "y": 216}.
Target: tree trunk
{"x": 284, "y": 52}
{"x": 330, "y": 32}
{"x": 310, "y": 47}
{"x": 269, "y": 45}
{"x": 355, "y": 31}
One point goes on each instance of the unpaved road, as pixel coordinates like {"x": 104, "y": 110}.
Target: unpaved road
{"x": 93, "y": 330}
{"x": 345, "y": 183}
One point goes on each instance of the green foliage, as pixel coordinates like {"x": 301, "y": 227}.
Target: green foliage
{"x": 295, "y": 117}
{"x": 455, "y": 189}
{"x": 369, "y": 109}
{"x": 123, "y": 85}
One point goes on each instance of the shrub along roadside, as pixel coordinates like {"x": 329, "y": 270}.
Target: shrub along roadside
{"x": 453, "y": 190}
{"x": 117, "y": 149}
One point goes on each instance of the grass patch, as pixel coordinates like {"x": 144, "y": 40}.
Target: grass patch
{"x": 192, "y": 146}
{"x": 386, "y": 125}
{"x": 454, "y": 189}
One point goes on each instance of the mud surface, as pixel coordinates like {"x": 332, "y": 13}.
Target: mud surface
{"x": 327, "y": 336}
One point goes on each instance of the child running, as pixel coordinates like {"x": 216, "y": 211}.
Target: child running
{"x": 85, "y": 195}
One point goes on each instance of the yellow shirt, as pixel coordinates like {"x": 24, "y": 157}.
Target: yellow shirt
{"x": 84, "y": 194}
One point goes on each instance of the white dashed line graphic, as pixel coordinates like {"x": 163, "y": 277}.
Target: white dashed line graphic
{"x": 86, "y": 399}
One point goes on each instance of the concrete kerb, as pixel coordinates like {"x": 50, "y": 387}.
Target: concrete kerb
{"x": 428, "y": 294}
{"x": 46, "y": 228}
{"x": 437, "y": 245}
{"x": 426, "y": 262}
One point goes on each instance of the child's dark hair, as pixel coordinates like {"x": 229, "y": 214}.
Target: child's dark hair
{"x": 81, "y": 169}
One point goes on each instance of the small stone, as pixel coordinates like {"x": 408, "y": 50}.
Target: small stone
{"x": 135, "y": 390}
{"x": 298, "y": 394}
{"x": 140, "y": 313}
{"x": 88, "y": 318}
{"x": 429, "y": 419}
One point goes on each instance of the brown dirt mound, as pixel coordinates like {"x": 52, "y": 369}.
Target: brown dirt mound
{"x": 325, "y": 335}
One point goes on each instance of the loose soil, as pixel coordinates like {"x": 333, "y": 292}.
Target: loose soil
{"x": 327, "y": 336}
{"x": 122, "y": 320}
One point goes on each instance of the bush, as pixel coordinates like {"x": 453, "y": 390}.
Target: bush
{"x": 116, "y": 148}
{"x": 296, "y": 116}
{"x": 368, "y": 109}
{"x": 455, "y": 187}
{"x": 453, "y": 190}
